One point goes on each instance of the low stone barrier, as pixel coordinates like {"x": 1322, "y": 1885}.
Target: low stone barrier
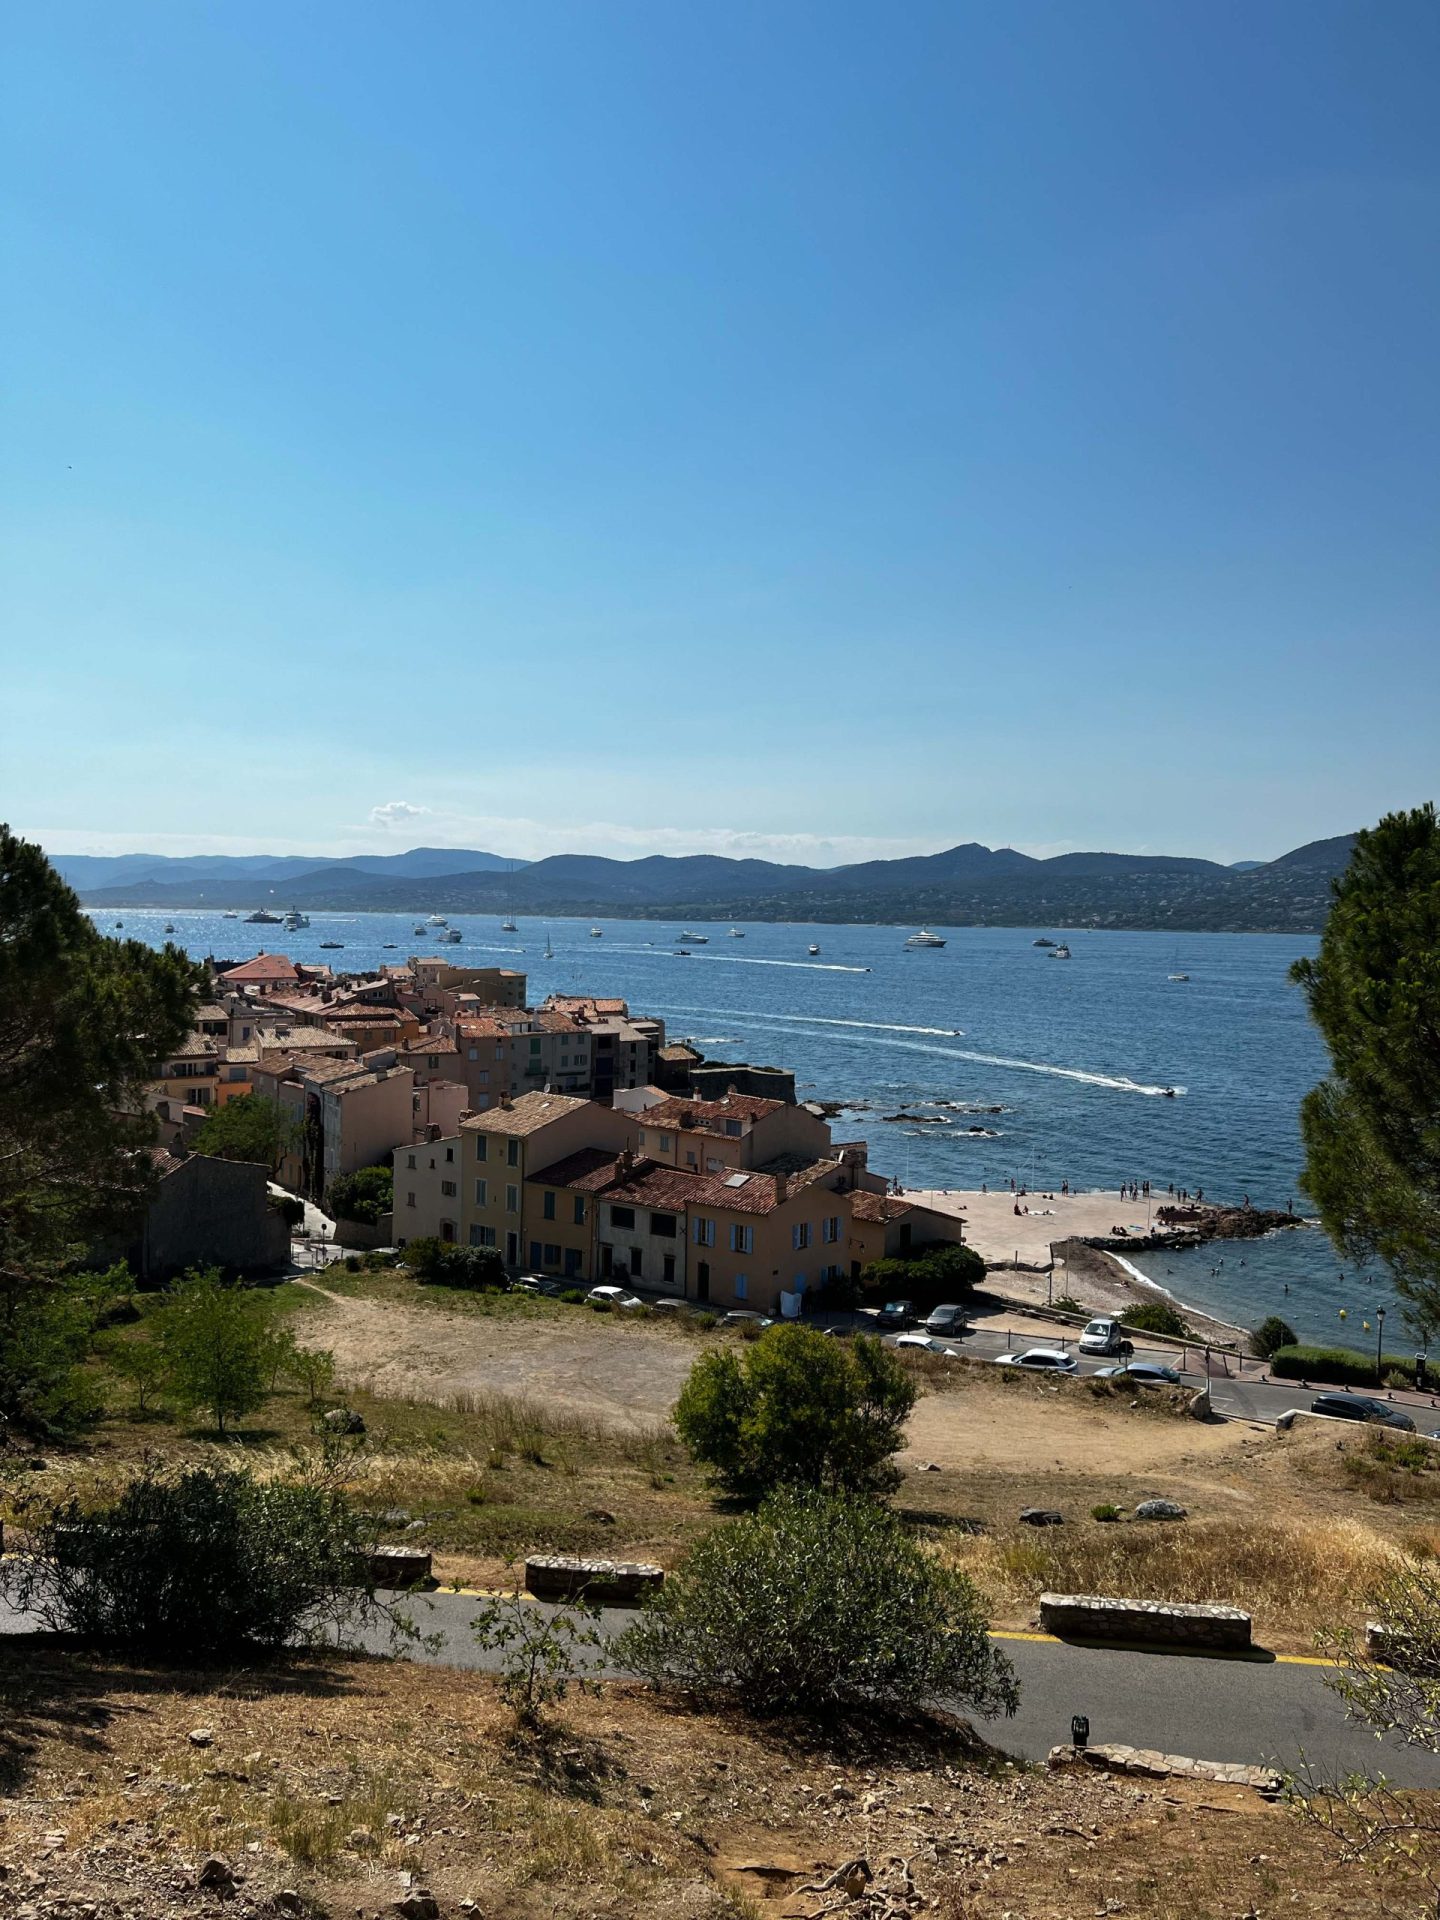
{"x": 605, "y": 1583}
{"x": 1150, "y": 1764}
{"x": 1394, "y": 1647}
{"x": 1093, "y": 1616}
{"x": 396, "y": 1566}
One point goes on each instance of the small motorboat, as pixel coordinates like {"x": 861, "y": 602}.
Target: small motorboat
{"x": 119, "y": 923}
{"x": 332, "y": 944}
{"x": 737, "y": 933}
{"x": 169, "y": 926}
{"x": 1167, "y": 1093}
{"x": 1062, "y": 952}
{"x": 596, "y": 934}
{"x": 682, "y": 953}
{"x": 230, "y": 914}
{"x": 452, "y": 937}
{"x": 419, "y": 931}
{"x": 1177, "y": 976}
{"x": 813, "y": 950}
{"x": 389, "y": 946}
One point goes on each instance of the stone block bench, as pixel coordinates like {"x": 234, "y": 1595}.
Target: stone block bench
{"x": 396, "y": 1566}
{"x": 603, "y": 1583}
{"x": 1092, "y": 1616}
{"x": 1153, "y": 1765}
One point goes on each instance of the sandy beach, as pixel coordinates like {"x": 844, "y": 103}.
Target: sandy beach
{"x": 1093, "y": 1276}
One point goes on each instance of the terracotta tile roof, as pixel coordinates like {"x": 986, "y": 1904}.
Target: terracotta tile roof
{"x": 586, "y": 1006}
{"x": 429, "y": 1043}
{"x": 528, "y": 1114}
{"x": 263, "y": 968}
{"x": 679, "y": 1115}
{"x": 586, "y": 1171}
{"x": 195, "y": 1046}
{"x": 301, "y": 1040}
{"x": 877, "y": 1207}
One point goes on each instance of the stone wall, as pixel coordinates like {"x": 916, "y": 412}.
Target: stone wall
{"x": 603, "y": 1583}
{"x": 1090, "y": 1616}
{"x": 1150, "y": 1764}
{"x": 212, "y": 1213}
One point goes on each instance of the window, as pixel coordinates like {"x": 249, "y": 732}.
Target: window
{"x": 665, "y": 1143}
{"x": 482, "y": 1236}
{"x": 474, "y": 1053}
{"x": 481, "y": 1190}
{"x": 742, "y": 1239}
{"x": 552, "y": 1255}
{"x": 831, "y": 1229}
{"x": 432, "y": 1060}
{"x": 742, "y": 1287}
{"x": 663, "y": 1224}
{"x": 622, "y": 1216}
{"x": 410, "y": 1161}
{"x": 732, "y": 1128}
{"x": 800, "y": 1235}
{"x": 534, "y": 1047}
{"x": 549, "y": 1207}
{"x": 448, "y": 1188}
{"x": 579, "y": 1210}
{"x": 537, "y": 1254}
{"x": 689, "y": 1158}
{"x": 450, "y": 1153}
{"x": 704, "y": 1233}
{"x": 481, "y": 1144}
{"x": 512, "y": 1199}
{"x": 512, "y": 1153}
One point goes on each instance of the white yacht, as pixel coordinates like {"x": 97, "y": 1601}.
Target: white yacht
{"x": 596, "y": 934}
{"x": 924, "y": 938}
{"x": 695, "y": 939}
{"x": 437, "y": 920}
{"x": 737, "y": 933}
{"x": 295, "y": 920}
{"x": 453, "y": 935}
{"x": 1062, "y": 952}
{"x": 814, "y": 949}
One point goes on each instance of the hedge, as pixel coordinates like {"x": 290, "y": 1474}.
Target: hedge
{"x": 1343, "y": 1365}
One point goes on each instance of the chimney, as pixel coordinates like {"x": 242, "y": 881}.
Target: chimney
{"x": 782, "y": 1188}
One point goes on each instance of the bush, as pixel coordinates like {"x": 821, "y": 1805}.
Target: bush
{"x": 1340, "y": 1366}
{"x": 1270, "y": 1335}
{"x": 200, "y": 1565}
{"x": 931, "y": 1275}
{"x": 217, "y": 1345}
{"x": 573, "y": 1296}
{"x": 542, "y": 1651}
{"x": 363, "y": 1196}
{"x": 290, "y": 1210}
{"x": 438, "y": 1263}
{"x": 1107, "y": 1510}
{"x": 352, "y": 1263}
{"x": 45, "y": 1333}
{"x": 797, "y": 1409}
{"x": 1156, "y": 1316}
{"x": 815, "y": 1605}
{"x": 1068, "y": 1304}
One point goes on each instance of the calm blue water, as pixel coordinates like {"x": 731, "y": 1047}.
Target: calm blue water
{"x": 1075, "y": 1056}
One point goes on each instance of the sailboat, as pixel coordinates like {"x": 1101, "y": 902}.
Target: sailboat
{"x": 507, "y": 925}
{"x": 549, "y": 950}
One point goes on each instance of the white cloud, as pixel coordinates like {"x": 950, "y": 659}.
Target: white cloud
{"x": 396, "y": 813}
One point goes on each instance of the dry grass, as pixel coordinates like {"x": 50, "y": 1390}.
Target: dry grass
{"x": 333, "y": 1777}
{"x": 1295, "y": 1579}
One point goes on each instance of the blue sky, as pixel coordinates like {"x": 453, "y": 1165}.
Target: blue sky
{"x": 815, "y": 430}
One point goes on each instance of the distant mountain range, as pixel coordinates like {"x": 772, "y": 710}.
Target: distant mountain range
{"x": 967, "y": 885}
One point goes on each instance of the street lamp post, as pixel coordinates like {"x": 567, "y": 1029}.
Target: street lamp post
{"x": 1379, "y": 1345}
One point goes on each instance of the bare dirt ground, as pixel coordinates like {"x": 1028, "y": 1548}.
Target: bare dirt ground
{"x": 587, "y": 1363}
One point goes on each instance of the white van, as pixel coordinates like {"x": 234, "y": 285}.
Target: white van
{"x": 1105, "y": 1335}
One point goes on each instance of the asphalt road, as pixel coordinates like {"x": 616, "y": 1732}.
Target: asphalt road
{"x": 1258, "y": 1710}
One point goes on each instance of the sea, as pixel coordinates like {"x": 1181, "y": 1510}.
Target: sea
{"x": 1026, "y": 1066}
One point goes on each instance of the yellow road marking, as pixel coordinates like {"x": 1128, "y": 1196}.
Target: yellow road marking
{"x": 1279, "y": 1659}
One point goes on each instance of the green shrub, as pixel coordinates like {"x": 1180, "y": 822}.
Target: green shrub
{"x": 204, "y": 1564}
{"x": 218, "y": 1343}
{"x": 544, "y": 1651}
{"x": 44, "y": 1336}
{"x": 440, "y": 1263}
{"x": 1271, "y": 1335}
{"x": 352, "y": 1263}
{"x": 1107, "y": 1510}
{"x": 706, "y": 1322}
{"x": 363, "y": 1196}
{"x": 290, "y": 1210}
{"x": 1340, "y": 1366}
{"x": 817, "y": 1605}
{"x": 1068, "y": 1304}
{"x": 933, "y": 1274}
{"x": 799, "y": 1409}
{"x": 1156, "y": 1316}
{"x": 573, "y": 1296}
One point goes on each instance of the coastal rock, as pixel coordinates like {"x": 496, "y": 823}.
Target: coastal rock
{"x": 1159, "y": 1510}
{"x": 1041, "y": 1517}
{"x": 343, "y": 1420}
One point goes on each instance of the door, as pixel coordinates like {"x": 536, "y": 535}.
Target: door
{"x": 702, "y": 1281}
{"x": 512, "y": 1249}
{"x": 669, "y": 1273}
{"x": 637, "y": 1267}
{"x": 607, "y": 1260}
{"x": 572, "y": 1262}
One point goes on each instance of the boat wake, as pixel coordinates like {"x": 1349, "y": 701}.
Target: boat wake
{"x": 1116, "y": 1082}
{"x": 805, "y": 966}
{"x": 825, "y": 1020}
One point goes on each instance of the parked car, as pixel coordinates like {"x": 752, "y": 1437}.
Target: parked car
{"x": 537, "y": 1283}
{"x": 1104, "y": 1335}
{"x": 743, "y": 1316}
{"x": 926, "y": 1342}
{"x": 616, "y": 1297}
{"x": 949, "y": 1319}
{"x": 897, "y": 1313}
{"x": 1142, "y": 1373}
{"x": 1355, "y": 1406}
{"x": 1039, "y": 1360}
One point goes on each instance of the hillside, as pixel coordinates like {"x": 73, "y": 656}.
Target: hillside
{"x": 966, "y": 885}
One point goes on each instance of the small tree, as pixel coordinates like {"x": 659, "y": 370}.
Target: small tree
{"x": 363, "y": 1195}
{"x": 143, "y": 1364}
{"x": 217, "y": 1343}
{"x": 249, "y": 1128}
{"x": 203, "y": 1564}
{"x": 542, "y": 1651}
{"x": 797, "y": 1409}
{"x": 314, "y": 1369}
{"x": 1156, "y": 1316}
{"x": 817, "y": 1605}
{"x": 1394, "y": 1693}
{"x": 1272, "y": 1334}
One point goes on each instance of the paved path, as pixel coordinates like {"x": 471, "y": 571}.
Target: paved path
{"x": 1257, "y": 1710}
